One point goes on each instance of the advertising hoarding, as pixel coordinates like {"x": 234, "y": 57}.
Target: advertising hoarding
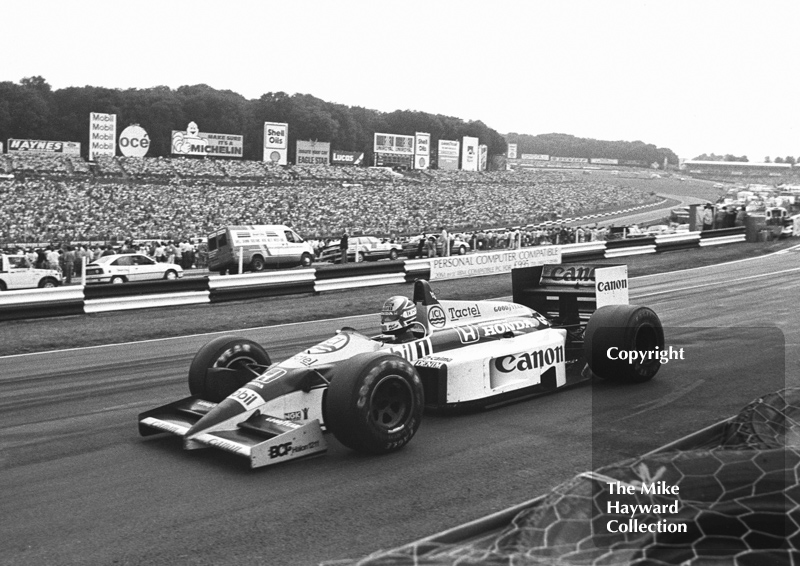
{"x": 469, "y": 154}
{"x": 194, "y": 142}
{"x": 313, "y": 153}
{"x": 339, "y": 157}
{"x": 134, "y": 141}
{"x": 276, "y": 142}
{"x": 512, "y": 151}
{"x": 483, "y": 157}
{"x": 422, "y": 150}
{"x": 492, "y": 263}
{"x": 449, "y": 151}
{"x": 44, "y": 146}
{"x": 394, "y": 143}
{"x": 102, "y": 135}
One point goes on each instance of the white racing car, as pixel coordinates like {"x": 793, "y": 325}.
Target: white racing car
{"x": 370, "y": 392}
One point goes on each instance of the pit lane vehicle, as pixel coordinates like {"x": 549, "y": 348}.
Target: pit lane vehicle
{"x": 15, "y": 274}
{"x": 121, "y": 268}
{"x": 361, "y": 248}
{"x": 457, "y": 246}
{"x": 370, "y": 392}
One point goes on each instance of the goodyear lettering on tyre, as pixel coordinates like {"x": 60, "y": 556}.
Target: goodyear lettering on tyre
{"x": 232, "y": 352}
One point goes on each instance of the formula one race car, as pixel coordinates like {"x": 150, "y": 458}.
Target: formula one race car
{"x": 370, "y": 392}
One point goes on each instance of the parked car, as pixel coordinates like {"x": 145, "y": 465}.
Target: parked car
{"x": 361, "y": 248}
{"x": 15, "y": 274}
{"x": 121, "y": 268}
{"x": 457, "y": 246}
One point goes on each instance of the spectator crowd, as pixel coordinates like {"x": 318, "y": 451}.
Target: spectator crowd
{"x": 170, "y": 199}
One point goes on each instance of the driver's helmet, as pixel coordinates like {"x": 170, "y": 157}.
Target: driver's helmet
{"x": 398, "y": 314}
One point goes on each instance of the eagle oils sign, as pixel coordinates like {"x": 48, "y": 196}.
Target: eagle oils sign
{"x": 276, "y": 142}
{"x": 102, "y": 135}
{"x": 195, "y": 142}
{"x": 134, "y": 141}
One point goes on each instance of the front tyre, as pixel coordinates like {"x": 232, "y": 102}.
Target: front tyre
{"x": 374, "y": 403}
{"x": 306, "y": 260}
{"x": 170, "y": 274}
{"x": 224, "y": 353}
{"x": 623, "y": 328}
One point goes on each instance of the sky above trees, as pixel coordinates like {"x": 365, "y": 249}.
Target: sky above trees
{"x": 697, "y": 77}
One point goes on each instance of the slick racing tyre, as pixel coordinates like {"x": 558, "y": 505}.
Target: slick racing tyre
{"x": 623, "y": 328}
{"x": 222, "y": 366}
{"x": 374, "y": 403}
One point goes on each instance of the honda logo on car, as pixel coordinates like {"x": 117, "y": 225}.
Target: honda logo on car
{"x": 509, "y": 326}
{"x": 527, "y": 361}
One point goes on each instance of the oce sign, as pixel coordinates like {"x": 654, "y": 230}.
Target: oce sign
{"x": 134, "y": 142}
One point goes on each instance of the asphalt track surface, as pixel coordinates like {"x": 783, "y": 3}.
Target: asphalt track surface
{"x": 79, "y": 486}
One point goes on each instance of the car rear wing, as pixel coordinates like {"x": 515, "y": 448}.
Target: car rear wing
{"x": 570, "y": 293}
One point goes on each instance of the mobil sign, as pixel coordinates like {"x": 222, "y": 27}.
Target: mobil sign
{"x": 134, "y": 141}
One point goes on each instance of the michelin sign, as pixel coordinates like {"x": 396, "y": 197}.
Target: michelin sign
{"x": 194, "y": 142}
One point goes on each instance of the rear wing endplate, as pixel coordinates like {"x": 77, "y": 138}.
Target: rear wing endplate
{"x": 570, "y": 292}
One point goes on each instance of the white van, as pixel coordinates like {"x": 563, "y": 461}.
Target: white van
{"x": 262, "y": 247}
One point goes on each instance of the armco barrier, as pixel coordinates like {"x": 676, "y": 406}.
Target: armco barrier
{"x": 41, "y": 303}
{"x": 266, "y": 284}
{"x": 61, "y": 301}
{"x": 104, "y": 291}
{"x": 146, "y": 301}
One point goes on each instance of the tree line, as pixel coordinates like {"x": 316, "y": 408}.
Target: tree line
{"x": 31, "y": 109}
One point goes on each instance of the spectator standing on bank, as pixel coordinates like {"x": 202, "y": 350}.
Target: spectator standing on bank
{"x": 421, "y": 244}
{"x": 52, "y": 259}
{"x": 430, "y": 247}
{"x": 69, "y": 263}
{"x": 343, "y": 244}
{"x": 445, "y": 242}
{"x": 740, "y": 217}
{"x": 730, "y": 219}
{"x": 708, "y": 218}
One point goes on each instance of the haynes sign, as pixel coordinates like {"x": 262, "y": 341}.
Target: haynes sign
{"x": 195, "y": 142}
{"x": 44, "y": 146}
{"x": 312, "y": 153}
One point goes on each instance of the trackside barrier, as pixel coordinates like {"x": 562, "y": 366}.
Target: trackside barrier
{"x": 146, "y": 301}
{"x": 361, "y": 281}
{"x": 255, "y": 285}
{"x": 40, "y": 303}
{"x": 60, "y": 301}
{"x": 98, "y": 291}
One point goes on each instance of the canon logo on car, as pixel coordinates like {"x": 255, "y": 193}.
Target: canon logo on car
{"x": 612, "y": 285}
{"x": 527, "y": 361}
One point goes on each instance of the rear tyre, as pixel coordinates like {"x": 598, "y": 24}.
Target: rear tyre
{"x": 116, "y": 280}
{"x": 462, "y": 250}
{"x": 47, "y": 283}
{"x": 257, "y": 263}
{"x": 171, "y": 274}
{"x": 392, "y": 255}
{"x": 226, "y": 352}
{"x": 626, "y": 328}
{"x": 374, "y": 403}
